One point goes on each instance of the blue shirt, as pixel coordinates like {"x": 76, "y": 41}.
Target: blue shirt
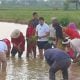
{"x": 35, "y": 22}
{"x": 55, "y": 54}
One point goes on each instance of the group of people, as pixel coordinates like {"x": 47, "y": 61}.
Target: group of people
{"x": 58, "y": 44}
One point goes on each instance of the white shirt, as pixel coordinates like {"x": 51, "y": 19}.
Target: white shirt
{"x": 42, "y": 30}
{"x": 52, "y": 31}
{"x": 3, "y": 46}
{"x": 75, "y": 44}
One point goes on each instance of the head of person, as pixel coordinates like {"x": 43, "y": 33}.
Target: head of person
{"x": 72, "y": 25}
{"x": 35, "y": 15}
{"x": 54, "y": 21}
{"x": 66, "y": 43}
{"x": 41, "y": 20}
{"x": 15, "y": 33}
{"x": 30, "y": 24}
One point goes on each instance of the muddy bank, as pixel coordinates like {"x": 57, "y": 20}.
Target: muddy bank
{"x": 14, "y": 21}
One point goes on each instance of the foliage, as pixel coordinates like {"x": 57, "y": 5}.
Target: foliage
{"x": 64, "y": 21}
{"x": 25, "y": 14}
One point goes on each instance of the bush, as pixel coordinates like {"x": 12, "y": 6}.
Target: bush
{"x": 64, "y": 21}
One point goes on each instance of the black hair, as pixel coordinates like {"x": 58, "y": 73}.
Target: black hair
{"x": 34, "y": 13}
{"x": 41, "y": 18}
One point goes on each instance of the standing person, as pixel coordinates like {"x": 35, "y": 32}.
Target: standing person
{"x": 52, "y": 37}
{"x": 42, "y": 32}
{"x": 57, "y": 60}
{"x": 59, "y": 32}
{"x": 31, "y": 40}
{"x": 35, "y": 22}
{"x": 18, "y": 42}
{"x": 35, "y": 19}
{"x": 3, "y": 52}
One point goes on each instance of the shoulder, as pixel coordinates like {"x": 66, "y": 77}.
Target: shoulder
{"x": 46, "y": 25}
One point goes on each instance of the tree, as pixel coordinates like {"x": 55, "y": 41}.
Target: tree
{"x": 74, "y": 1}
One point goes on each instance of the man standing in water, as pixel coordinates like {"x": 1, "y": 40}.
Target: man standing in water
{"x": 42, "y": 32}
{"x": 57, "y": 60}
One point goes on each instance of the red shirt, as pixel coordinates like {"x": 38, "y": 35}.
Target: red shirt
{"x": 30, "y": 31}
{"x": 19, "y": 41}
{"x": 71, "y": 33}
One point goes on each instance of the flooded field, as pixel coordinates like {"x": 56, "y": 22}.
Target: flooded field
{"x": 32, "y": 69}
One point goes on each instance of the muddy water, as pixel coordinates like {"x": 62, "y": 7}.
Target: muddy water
{"x": 33, "y": 69}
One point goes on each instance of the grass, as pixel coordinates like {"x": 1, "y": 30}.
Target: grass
{"x": 24, "y": 15}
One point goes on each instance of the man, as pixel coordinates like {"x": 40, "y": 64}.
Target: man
{"x": 18, "y": 42}
{"x": 52, "y": 37}
{"x": 58, "y": 31}
{"x": 42, "y": 32}
{"x": 3, "y": 52}
{"x": 35, "y": 20}
{"x": 57, "y": 60}
{"x": 31, "y": 40}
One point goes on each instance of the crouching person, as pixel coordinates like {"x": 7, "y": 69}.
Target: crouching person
{"x": 57, "y": 60}
{"x": 18, "y": 42}
{"x": 3, "y": 52}
{"x": 7, "y": 41}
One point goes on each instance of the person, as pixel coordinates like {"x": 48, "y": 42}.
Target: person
{"x": 18, "y": 42}
{"x": 58, "y": 32}
{"x": 71, "y": 31}
{"x": 52, "y": 37}
{"x": 67, "y": 47}
{"x": 42, "y": 32}
{"x": 35, "y": 19}
{"x": 57, "y": 59}
{"x": 75, "y": 44}
{"x": 31, "y": 39}
{"x": 7, "y": 41}
{"x": 3, "y": 52}
{"x": 72, "y": 47}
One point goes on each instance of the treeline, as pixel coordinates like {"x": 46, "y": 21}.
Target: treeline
{"x": 53, "y": 4}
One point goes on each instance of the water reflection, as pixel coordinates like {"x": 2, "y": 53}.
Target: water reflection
{"x": 32, "y": 69}
{"x": 2, "y": 75}
{"x": 23, "y": 69}
{"x": 37, "y": 70}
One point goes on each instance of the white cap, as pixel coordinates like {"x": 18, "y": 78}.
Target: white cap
{"x": 53, "y": 18}
{"x": 15, "y": 33}
{"x": 66, "y": 41}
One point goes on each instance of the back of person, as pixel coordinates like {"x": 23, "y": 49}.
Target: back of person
{"x": 55, "y": 54}
{"x": 3, "y": 51}
{"x": 3, "y": 46}
{"x": 57, "y": 60}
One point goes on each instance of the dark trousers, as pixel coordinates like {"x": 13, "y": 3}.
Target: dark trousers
{"x": 14, "y": 52}
{"x": 63, "y": 66}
